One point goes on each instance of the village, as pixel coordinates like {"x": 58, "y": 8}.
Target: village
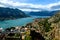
{"x": 28, "y": 32}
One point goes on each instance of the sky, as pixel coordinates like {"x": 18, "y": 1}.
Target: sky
{"x": 31, "y": 5}
{"x": 37, "y": 1}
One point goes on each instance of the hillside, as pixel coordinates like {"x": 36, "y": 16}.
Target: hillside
{"x": 49, "y": 27}
{"x": 43, "y": 13}
{"x": 55, "y": 24}
{"x": 55, "y": 18}
{"x": 10, "y": 13}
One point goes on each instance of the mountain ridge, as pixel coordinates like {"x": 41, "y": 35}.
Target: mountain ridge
{"x": 10, "y": 13}
{"x": 43, "y": 13}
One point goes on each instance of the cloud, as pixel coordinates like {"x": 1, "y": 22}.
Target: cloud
{"x": 49, "y": 6}
{"x": 2, "y": 5}
{"x": 30, "y": 10}
{"x": 27, "y": 6}
{"x": 54, "y": 4}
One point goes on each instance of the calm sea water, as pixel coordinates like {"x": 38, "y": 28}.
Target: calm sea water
{"x": 18, "y": 22}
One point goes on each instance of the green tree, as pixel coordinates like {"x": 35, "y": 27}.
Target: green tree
{"x": 47, "y": 26}
{"x": 27, "y": 37}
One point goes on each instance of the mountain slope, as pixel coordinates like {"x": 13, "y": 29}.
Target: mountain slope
{"x": 55, "y": 18}
{"x": 10, "y": 13}
{"x": 43, "y": 13}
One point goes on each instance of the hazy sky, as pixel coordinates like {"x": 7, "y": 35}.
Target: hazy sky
{"x": 30, "y": 5}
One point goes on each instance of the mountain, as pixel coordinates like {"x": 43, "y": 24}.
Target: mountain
{"x": 10, "y": 13}
{"x": 55, "y": 24}
{"x": 43, "y": 13}
{"x": 55, "y": 18}
{"x": 49, "y": 27}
